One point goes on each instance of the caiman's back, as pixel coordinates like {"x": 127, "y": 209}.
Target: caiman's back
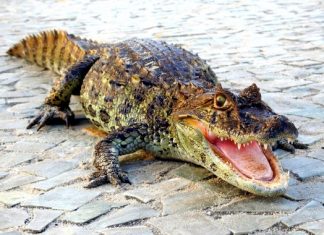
{"x": 140, "y": 81}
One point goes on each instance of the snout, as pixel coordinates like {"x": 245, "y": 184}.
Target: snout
{"x": 278, "y": 126}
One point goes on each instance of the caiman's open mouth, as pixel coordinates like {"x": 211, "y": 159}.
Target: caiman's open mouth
{"x": 250, "y": 160}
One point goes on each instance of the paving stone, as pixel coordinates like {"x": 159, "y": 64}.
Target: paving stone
{"x": 304, "y": 167}
{"x": 127, "y": 214}
{"x": 318, "y": 154}
{"x": 9, "y": 160}
{"x": 29, "y": 147}
{"x": 190, "y": 223}
{"x": 12, "y": 198}
{"x": 191, "y": 172}
{"x": 90, "y": 211}
{"x": 306, "y": 191}
{"x": 151, "y": 192}
{"x": 61, "y": 179}
{"x": 49, "y": 168}
{"x": 3, "y": 174}
{"x": 13, "y": 124}
{"x": 259, "y": 204}
{"x": 41, "y": 219}
{"x": 316, "y": 227}
{"x": 69, "y": 230}
{"x": 192, "y": 200}
{"x": 148, "y": 173}
{"x": 136, "y": 230}
{"x": 309, "y": 139}
{"x": 63, "y": 198}
{"x": 11, "y": 233}
{"x": 12, "y": 218}
{"x": 312, "y": 211}
{"x": 220, "y": 187}
{"x": 246, "y": 223}
{"x": 21, "y": 179}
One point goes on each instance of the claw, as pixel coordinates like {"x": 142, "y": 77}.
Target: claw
{"x": 34, "y": 121}
{"x": 97, "y": 182}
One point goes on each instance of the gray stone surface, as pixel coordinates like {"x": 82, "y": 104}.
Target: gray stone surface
{"x": 90, "y": 211}
{"x": 60, "y": 179}
{"x": 191, "y": 223}
{"x": 20, "y": 179}
{"x": 316, "y": 227}
{"x": 12, "y": 218}
{"x": 135, "y": 230}
{"x": 11, "y": 198}
{"x": 306, "y": 191}
{"x": 69, "y": 230}
{"x": 191, "y": 172}
{"x": 191, "y": 200}
{"x": 146, "y": 194}
{"x": 246, "y": 223}
{"x": 127, "y": 214}
{"x": 12, "y": 159}
{"x": 312, "y": 211}
{"x": 63, "y": 198}
{"x": 3, "y": 174}
{"x": 261, "y": 205}
{"x": 41, "y": 219}
{"x": 304, "y": 167}
{"x": 48, "y": 169}
{"x": 29, "y": 147}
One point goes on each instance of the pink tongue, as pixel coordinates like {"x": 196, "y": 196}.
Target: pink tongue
{"x": 249, "y": 160}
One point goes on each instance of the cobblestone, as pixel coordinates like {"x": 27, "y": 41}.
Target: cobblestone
{"x": 276, "y": 44}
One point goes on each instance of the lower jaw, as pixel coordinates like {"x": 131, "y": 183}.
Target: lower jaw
{"x": 274, "y": 187}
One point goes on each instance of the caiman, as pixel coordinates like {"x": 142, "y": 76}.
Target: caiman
{"x": 161, "y": 98}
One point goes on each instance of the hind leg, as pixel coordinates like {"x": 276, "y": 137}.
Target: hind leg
{"x": 56, "y": 105}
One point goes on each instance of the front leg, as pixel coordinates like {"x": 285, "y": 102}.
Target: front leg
{"x": 289, "y": 146}
{"x": 123, "y": 141}
{"x": 57, "y": 101}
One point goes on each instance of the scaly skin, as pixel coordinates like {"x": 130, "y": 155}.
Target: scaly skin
{"x": 158, "y": 97}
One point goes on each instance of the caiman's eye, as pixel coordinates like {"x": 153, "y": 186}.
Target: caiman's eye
{"x": 220, "y": 101}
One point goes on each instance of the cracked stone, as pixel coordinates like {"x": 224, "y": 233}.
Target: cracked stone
{"x": 29, "y": 147}
{"x": 136, "y": 230}
{"x": 306, "y": 191}
{"x": 41, "y": 219}
{"x": 304, "y": 167}
{"x": 127, "y": 214}
{"x": 7, "y": 215}
{"x": 49, "y": 168}
{"x": 312, "y": 211}
{"x": 193, "y": 200}
{"x": 12, "y": 198}
{"x": 191, "y": 172}
{"x": 246, "y": 223}
{"x": 9, "y": 160}
{"x": 11, "y": 233}
{"x": 69, "y": 230}
{"x": 90, "y": 211}
{"x": 151, "y": 192}
{"x": 61, "y": 179}
{"x": 258, "y": 204}
{"x": 63, "y": 198}
{"x": 18, "y": 180}
{"x": 316, "y": 227}
{"x": 191, "y": 223}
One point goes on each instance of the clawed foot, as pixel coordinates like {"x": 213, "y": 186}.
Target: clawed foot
{"x": 115, "y": 178}
{"x": 48, "y": 113}
{"x": 290, "y": 147}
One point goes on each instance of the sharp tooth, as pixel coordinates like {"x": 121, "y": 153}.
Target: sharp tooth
{"x": 239, "y": 146}
{"x": 265, "y": 146}
{"x": 221, "y": 138}
{"x": 243, "y": 145}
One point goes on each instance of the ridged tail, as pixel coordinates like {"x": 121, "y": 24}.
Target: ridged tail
{"x": 55, "y": 50}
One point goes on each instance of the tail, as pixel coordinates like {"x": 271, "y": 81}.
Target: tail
{"x": 55, "y": 50}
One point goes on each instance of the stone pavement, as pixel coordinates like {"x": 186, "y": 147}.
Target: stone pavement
{"x": 277, "y": 44}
